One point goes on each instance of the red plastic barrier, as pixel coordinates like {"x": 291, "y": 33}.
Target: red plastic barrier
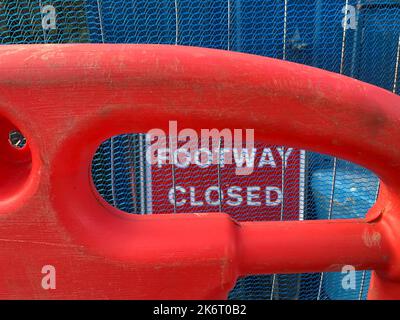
{"x": 67, "y": 99}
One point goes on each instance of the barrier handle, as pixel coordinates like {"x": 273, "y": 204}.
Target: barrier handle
{"x": 67, "y": 99}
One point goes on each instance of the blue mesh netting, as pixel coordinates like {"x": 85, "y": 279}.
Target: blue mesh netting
{"x": 365, "y": 47}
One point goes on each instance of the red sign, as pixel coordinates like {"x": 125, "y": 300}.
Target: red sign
{"x": 271, "y": 192}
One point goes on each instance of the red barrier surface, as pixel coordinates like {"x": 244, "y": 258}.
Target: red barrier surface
{"x": 67, "y": 99}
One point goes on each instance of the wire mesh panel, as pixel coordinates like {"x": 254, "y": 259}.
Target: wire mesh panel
{"x": 357, "y": 38}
